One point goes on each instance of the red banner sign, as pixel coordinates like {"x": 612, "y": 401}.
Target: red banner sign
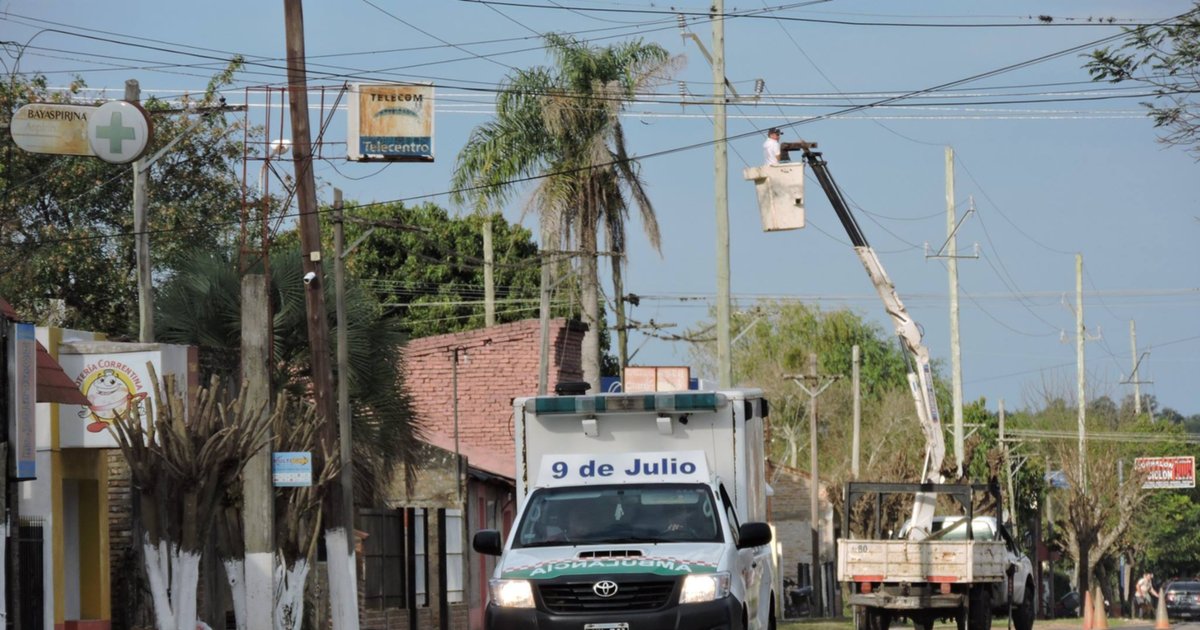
{"x": 1167, "y": 472}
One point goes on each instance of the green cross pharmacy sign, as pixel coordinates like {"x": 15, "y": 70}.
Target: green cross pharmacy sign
{"x": 119, "y": 131}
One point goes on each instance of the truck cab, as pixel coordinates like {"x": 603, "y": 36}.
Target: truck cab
{"x": 636, "y": 511}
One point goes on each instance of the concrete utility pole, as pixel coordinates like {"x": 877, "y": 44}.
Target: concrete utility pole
{"x": 956, "y": 387}
{"x": 1081, "y": 383}
{"x": 343, "y": 587}
{"x": 1133, "y": 374}
{"x": 133, "y": 94}
{"x": 819, "y": 385}
{"x": 544, "y": 316}
{"x": 489, "y": 274}
{"x": 855, "y": 364}
{"x": 1011, "y": 500}
{"x": 346, "y": 474}
{"x": 720, "y": 179}
{"x": 1134, "y": 377}
{"x": 258, "y": 497}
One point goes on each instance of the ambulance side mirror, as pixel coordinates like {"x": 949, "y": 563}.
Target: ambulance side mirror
{"x": 753, "y": 535}
{"x": 487, "y": 542}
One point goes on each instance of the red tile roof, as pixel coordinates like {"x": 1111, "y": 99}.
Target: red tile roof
{"x": 53, "y": 384}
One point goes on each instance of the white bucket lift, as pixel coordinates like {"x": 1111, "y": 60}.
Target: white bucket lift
{"x": 780, "y": 189}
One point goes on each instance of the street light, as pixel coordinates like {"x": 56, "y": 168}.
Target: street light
{"x": 278, "y": 148}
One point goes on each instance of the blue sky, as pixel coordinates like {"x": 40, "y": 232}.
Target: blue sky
{"x": 1070, "y": 170}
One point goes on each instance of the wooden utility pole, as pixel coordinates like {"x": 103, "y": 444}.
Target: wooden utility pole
{"x": 1081, "y": 383}
{"x": 818, "y": 385}
{"x": 343, "y": 584}
{"x": 721, "y": 181}
{"x": 141, "y": 234}
{"x": 258, "y": 497}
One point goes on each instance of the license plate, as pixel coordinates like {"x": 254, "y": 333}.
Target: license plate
{"x": 606, "y": 626}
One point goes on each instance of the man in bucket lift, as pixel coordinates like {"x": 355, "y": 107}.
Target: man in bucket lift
{"x": 771, "y": 147}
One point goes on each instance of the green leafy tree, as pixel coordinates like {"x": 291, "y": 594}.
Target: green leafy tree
{"x": 776, "y": 339}
{"x": 429, "y": 272}
{"x": 1166, "y": 58}
{"x": 68, "y": 250}
{"x": 561, "y": 124}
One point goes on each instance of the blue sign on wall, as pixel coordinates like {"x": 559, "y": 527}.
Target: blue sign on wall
{"x": 291, "y": 470}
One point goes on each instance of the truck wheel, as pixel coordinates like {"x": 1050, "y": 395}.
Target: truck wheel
{"x": 981, "y": 608}
{"x": 878, "y": 619}
{"x": 1023, "y": 615}
{"x": 871, "y": 618}
{"x": 923, "y": 622}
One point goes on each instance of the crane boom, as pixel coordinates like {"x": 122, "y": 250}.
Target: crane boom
{"x": 920, "y": 374}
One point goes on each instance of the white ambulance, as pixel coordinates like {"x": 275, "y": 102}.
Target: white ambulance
{"x": 637, "y": 512}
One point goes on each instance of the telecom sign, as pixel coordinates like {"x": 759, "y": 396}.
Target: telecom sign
{"x": 390, "y": 123}
{"x": 1167, "y": 472}
{"x": 119, "y": 131}
{"x": 52, "y": 128}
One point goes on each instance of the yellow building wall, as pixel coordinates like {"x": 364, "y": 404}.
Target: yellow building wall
{"x": 88, "y": 467}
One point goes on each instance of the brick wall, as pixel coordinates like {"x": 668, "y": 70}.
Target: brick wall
{"x": 789, "y": 510}
{"x": 495, "y": 365}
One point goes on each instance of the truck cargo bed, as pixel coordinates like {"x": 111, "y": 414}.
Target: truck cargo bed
{"x": 896, "y": 561}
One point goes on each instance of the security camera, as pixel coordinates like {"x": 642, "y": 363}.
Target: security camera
{"x": 309, "y": 277}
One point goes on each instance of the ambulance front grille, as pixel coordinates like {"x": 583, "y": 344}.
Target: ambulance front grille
{"x": 581, "y": 597}
{"x": 610, "y": 553}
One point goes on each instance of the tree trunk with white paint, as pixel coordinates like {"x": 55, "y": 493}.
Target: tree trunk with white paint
{"x": 289, "y": 603}
{"x": 160, "y": 595}
{"x": 235, "y": 573}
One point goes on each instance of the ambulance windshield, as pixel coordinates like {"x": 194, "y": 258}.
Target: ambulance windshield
{"x": 622, "y": 514}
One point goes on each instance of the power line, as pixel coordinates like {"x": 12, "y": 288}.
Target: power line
{"x": 728, "y": 15}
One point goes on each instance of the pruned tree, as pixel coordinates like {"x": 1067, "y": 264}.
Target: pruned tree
{"x": 181, "y": 458}
{"x": 295, "y": 429}
{"x": 1099, "y": 508}
{"x": 298, "y": 510}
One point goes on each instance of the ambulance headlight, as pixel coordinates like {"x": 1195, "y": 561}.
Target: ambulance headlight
{"x": 704, "y": 587}
{"x": 511, "y": 593}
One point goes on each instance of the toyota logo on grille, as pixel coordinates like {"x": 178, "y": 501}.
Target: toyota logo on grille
{"x": 605, "y": 588}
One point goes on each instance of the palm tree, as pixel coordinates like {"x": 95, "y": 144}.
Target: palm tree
{"x": 200, "y": 304}
{"x": 561, "y": 125}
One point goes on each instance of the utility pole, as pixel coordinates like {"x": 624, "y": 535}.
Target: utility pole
{"x": 720, "y": 179}
{"x": 133, "y": 94}
{"x": 1134, "y": 377}
{"x": 343, "y": 584}
{"x": 949, "y": 251}
{"x": 346, "y": 444}
{"x": 818, "y": 385}
{"x": 855, "y": 364}
{"x": 1080, "y": 381}
{"x": 544, "y": 316}
{"x": 258, "y": 497}
{"x": 1133, "y": 374}
{"x": 956, "y": 386}
{"x": 489, "y": 274}
{"x": 1012, "y": 502}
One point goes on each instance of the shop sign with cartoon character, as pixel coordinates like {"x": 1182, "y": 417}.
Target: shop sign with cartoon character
{"x": 113, "y": 383}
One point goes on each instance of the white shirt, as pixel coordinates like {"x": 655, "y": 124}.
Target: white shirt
{"x": 770, "y": 151}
